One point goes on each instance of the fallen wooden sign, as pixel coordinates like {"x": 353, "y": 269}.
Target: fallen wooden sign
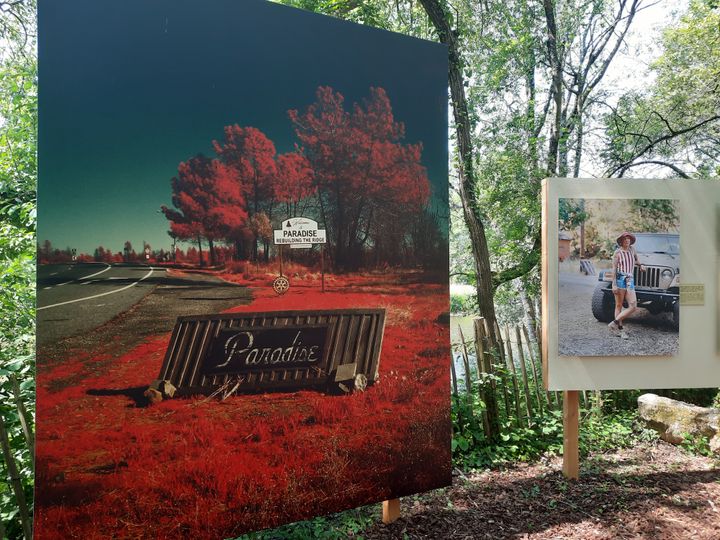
{"x": 331, "y": 350}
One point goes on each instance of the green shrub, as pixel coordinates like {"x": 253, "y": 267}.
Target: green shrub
{"x": 463, "y": 304}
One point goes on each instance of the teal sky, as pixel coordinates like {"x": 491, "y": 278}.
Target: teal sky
{"x": 127, "y": 90}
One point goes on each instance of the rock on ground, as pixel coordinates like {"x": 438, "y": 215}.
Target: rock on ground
{"x": 674, "y": 420}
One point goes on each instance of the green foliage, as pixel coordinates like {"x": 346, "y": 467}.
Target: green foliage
{"x": 625, "y": 400}
{"x": 462, "y": 265}
{"x": 675, "y": 122}
{"x": 18, "y": 171}
{"x": 404, "y": 16}
{"x": 508, "y": 308}
{"x": 571, "y": 213}
{"x": 463, "y": 304}
{"x": 716, "y": 400}
{"x": 697, "y": 445}
{"x": 656, "y": 215}
{"x": 544, "y": 436}
{"x": 348, "y": 524}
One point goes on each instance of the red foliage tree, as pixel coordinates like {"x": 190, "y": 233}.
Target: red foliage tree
{"x": 366, "y": 177}
{"x": 102, "y": 255}
{"x": 252, "y": 156}
{"x": 208, "y": 203}
{"x": 294, "y": 183}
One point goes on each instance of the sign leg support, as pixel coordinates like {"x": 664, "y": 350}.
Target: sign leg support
{"x": 322, "y": 265}
{"x": 571, "y": 428}
{"x": 391, "y": 511}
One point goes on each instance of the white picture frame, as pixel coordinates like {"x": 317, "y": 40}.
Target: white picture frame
{"x": 697, "y": 364}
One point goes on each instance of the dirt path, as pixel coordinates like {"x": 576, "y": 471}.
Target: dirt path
{"x": 583, "y": 335}
{"x": 653, "y": 491}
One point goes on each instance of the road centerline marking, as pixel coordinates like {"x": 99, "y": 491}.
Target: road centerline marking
{"x": 98, "y": 295}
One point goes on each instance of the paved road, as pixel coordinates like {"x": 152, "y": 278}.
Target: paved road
{"x": 76, "y": 298}
{"x": 583, "y": 335}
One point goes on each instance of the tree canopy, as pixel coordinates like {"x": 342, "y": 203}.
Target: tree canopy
{"x": 350, "y": 169}
{"x": 673, "y": 126}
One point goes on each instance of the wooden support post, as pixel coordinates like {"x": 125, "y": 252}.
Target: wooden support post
{"x": 453, "y": 375}
{"x": 322, "y": 265}
{"x": 518, "y": 337}
{"x": 480, "y": 361}
{"x": 489, "y": 394}
{"x": 466, "y": 363}
{"x": 391, "y": 511}
{"x": 503, "y": 382}
{"x": 571, "y": 428}
{"x": 526, "y": 386}
{"x": 537, "y": 371}
{"x": 516, "y": 391}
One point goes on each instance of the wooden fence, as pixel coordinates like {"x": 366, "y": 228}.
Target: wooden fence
{"x": 508, "y": 381}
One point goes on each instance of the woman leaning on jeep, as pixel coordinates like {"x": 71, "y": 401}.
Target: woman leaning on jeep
{"x": 625, "y": 259}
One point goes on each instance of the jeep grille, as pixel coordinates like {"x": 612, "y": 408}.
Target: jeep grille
{"x": 649, "y": 278}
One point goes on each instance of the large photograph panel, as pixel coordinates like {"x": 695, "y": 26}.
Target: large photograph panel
{"x": 618, "y": 277}
{"x": 243, "y": 268}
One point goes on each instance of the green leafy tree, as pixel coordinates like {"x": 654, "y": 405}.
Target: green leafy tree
{"x": 656, "y": 214}
{"x": 525, "y": 79}
{"x": 571, "y": 213}
{"x": 18, "y": 169}
{"x": 673, "y": 125}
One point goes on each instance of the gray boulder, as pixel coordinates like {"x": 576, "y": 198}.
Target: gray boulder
{"x": 675, "y": 419}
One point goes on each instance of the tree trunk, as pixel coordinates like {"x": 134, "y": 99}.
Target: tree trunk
{"x": 199, "y": 241}
{"x": 563, "y": 149}
{"x": 211, "y": 248}
{"x": 578, "y": 147}
{"x": 557, "y": 87}
{"x": 471, "y": 207}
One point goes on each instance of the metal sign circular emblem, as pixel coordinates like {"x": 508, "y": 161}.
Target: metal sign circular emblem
{"x": 281, "y": 285}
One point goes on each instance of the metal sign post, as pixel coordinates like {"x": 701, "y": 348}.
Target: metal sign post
{"x": 300, "y": 232}
{"x": 281, "y": 284}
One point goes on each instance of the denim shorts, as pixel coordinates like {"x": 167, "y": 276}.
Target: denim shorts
{"x": 625, "y": 281}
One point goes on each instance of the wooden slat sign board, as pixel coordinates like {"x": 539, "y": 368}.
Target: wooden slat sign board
{"x": 279, "y": 350}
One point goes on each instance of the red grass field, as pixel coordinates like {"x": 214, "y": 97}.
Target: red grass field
{"x": 202, "y": 468}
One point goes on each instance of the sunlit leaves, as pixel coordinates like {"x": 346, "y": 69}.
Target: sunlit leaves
{"x": 674, "y": 126}
{"x": 18, "y": 170}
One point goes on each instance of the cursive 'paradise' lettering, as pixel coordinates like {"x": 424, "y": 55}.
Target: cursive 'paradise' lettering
{"x": 239, "y": 348}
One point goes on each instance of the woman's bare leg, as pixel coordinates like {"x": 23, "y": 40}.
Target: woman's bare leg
{"x": 632, "y": 306}
{"x": 619, "y": 295}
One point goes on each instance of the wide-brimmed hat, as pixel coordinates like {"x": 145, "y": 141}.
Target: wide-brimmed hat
{"x": 631, "y": 236}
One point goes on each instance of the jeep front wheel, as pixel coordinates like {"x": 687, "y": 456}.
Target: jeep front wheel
{"x": 603, "y": 304}
{"x": 676, "y": 315}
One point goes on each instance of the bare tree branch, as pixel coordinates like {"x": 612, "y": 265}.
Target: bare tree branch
{"x": 675, "y": 168}
{"x": 663, "y": 138}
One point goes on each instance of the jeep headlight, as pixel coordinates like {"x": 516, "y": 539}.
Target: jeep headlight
{"x": 666, "y": 277}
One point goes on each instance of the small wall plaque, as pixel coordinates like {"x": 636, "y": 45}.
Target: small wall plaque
{"x": 692, "y": 294}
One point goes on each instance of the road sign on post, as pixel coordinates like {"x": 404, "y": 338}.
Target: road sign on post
{"x": 301, "y": 232}
{"x": 298, "y": 231}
